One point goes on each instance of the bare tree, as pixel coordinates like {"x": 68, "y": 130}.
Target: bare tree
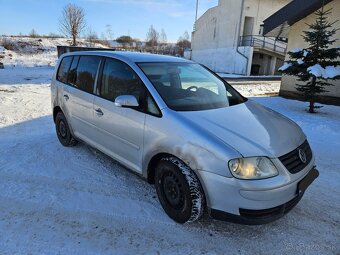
{"x": 72, "y": 22}
{"x": 109, "y": 31}
{"x": 91, "y": 37}
{"x": 183, "y": 43}
{"x": 152, "y": 37}
{"x": 186, "y": 36}
{"x": 164, "y": 38}
{"x": 33, "y": 34}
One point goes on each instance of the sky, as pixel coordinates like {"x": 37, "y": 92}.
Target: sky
{"x": 126, "y": 17}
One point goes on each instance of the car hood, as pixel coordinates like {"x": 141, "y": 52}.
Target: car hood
{"x": 250, "y": 128}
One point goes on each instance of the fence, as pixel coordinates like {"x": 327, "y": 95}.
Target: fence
{"x": 65, "y": 49}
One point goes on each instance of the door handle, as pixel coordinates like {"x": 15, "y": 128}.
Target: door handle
{"x": 66, "y": 97}
{"x": 99, "y": 112}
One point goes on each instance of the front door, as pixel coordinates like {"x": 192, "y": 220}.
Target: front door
{"x": 120, "y": 130}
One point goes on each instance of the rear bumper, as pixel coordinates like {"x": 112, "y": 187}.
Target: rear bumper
{"x": 257, "y": 215}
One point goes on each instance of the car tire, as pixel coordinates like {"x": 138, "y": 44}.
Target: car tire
{"x": 63, "y": 131}
{"x": 179, "y": 190}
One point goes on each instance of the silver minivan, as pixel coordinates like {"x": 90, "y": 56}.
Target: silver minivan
{"x": 184, "y": 129}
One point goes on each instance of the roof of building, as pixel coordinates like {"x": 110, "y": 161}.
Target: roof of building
{"x": 278, "y": 24}
{"x": 136, "y": 57}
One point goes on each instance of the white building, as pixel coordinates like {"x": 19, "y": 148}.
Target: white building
{"x": 228, "y": 38}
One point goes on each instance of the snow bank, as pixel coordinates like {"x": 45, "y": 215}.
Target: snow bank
{"x": 329, "y": 72}
{"x": 258, "y": 89}
{"x": 33, "y": 52}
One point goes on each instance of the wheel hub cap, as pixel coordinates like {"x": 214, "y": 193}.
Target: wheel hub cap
{"x": 62, "y": 129}
{"x": 173, "y": 191}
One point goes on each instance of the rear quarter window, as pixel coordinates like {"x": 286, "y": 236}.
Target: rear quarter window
{"x": 63, "y": 69}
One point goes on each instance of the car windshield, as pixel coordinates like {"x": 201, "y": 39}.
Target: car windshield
{"x": 190, "y": 87}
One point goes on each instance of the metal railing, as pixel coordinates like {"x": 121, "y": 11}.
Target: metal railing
{"x": 263, "y": 42}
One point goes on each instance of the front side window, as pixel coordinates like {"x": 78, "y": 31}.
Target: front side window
{"x": 86, "y": 73}
{"x": 63, "y": 69}
{"x": 190, "y": 87}
{"x": 119, "y": 79}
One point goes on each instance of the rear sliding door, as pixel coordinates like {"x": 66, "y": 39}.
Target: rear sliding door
{"x": 78, "y": 95}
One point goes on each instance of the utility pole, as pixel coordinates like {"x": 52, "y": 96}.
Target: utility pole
{"x": 196, "y": 14}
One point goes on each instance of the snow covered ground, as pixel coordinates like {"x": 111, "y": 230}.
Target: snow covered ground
{"x": 56, "y": 200}
{"x": 33, "y": 52}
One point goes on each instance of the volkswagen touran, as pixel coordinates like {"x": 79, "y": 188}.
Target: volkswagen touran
{"x": 177, "y": 124}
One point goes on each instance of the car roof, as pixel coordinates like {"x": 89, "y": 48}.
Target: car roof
{"x": 136, "y": 57}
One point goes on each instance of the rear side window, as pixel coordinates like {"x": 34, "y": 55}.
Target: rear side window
{"x": 72, "y": 74}
{"x": 63, "y": 69}
{"x": 86, "y": 73}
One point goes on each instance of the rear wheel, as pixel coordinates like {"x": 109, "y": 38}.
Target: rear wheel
{"x": 63, "y": 131}
{"x": 179, "y": 190}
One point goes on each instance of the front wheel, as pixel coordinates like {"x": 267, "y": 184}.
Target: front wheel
{"x": 179, "y": 190}
{"x": 63, "y": 131}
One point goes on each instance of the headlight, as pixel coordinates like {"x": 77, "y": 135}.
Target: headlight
{"x": 252, "y": 168}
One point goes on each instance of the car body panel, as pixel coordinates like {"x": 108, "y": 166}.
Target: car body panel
{"x": 79, "y": 109}
{"x": 121, "y": 131}
{"x": 250, "y": 128}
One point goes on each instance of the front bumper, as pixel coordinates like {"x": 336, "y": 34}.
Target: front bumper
{"x": 257, "y": 206}
{"x": 256, "y": 217}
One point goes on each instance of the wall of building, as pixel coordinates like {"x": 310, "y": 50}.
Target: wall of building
{"x": 216, "y": 38}
{"x": 260, "y": 10}
{"x": 218, "y": 27}
{"x": 225, "y": 60}
{"x": 296, "y": 41}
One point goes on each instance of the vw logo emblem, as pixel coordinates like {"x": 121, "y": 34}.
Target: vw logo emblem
{"x": 302, "y": 156}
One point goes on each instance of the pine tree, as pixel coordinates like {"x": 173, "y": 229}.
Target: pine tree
{"x": 317, "y": 64}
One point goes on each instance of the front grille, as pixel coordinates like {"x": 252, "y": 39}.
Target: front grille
{"x": 292, "y": 159}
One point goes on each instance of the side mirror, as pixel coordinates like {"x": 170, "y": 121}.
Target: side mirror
{"x": 126, "y": 101}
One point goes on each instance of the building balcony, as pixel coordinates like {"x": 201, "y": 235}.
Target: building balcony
{"x": 269, "y": 44}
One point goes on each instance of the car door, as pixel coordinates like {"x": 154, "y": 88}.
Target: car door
{"x": 78, "y": 96}
{"x": 120, "y": 130}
